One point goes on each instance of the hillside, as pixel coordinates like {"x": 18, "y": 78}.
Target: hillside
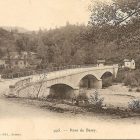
{"x": 77, "y": 44}
{"x": 14, "y": 28}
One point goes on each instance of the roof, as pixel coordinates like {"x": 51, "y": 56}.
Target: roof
{"x": 127, "y": 60}
{"x": 100, "y": 61}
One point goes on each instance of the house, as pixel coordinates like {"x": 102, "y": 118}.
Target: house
{"x": 15, "y": 60}
{"x": 100, "y": 63}
{"x": 15, "y": 63}
{"x": 129, "y": 63}
{"x": 20, "y": 60}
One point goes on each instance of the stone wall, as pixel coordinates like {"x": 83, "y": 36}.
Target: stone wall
{"x": 34, "y": 90}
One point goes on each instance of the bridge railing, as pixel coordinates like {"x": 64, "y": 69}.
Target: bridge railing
{"x": 53, "y": 69}
{"x": 20, "y": 84}
{"x": 40, "y": 71}
{"x": 47, "y": 70}
{"x": 26, "y": 81}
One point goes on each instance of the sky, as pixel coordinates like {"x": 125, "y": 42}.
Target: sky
{"x": 44, "y": 14}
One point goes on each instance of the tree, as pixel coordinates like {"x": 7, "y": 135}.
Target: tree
{"x": 22, "y": 43}
{"x": 115, "y": 12}
{"x": 42, "y": 51}
{"x": 1, "y": 53}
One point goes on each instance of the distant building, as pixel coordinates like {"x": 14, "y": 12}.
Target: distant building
{"x": 19, "y": 60}
{"x": 100, "y": 63}
{"x": 15, "y": 60}
{"x": 129, "y": 63}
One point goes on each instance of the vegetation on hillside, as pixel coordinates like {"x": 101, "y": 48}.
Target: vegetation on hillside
{"x": 129, "y": 77}
{"x": 106, "y": 36}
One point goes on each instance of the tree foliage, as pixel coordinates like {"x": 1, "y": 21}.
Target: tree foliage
{"x": 115, "y": 12}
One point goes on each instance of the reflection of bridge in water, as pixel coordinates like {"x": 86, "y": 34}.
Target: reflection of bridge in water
{"x": 67, "y": 81}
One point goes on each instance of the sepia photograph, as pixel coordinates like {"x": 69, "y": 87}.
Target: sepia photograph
{"x": 69, "y": 69}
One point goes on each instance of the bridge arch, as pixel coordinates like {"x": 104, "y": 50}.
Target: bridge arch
{"x": 106, "y": 74}
{"x": 107, "y": 79}
{"x": 61, "y": 91}
{"x": 89, "y": 81}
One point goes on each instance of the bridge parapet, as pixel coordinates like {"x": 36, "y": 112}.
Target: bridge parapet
{"x": 49, "y": 70}
{"x": 20, "y": 84}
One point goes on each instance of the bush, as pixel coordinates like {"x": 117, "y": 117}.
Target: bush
{"x": 137, "y": 90}
{"x": 81, "y": 99}
{"x": 91, "y": 100}
{"x": 120, "y": 76}
{"x": 128, "y": 77}
{"x": 126, "y": 69}
{"x": 95, "y": 100}
{"x": 130, "y": 90}
{"x": 134, "y": 105}
{"x": 132, "y": 78}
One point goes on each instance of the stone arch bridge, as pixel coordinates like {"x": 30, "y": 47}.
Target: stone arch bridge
{"x": 74, "y": 78}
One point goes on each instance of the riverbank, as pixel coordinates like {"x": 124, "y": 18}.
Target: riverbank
{"x": 46, "y": 118}
{"x": 61, "y": 107}
{"x": 31, "y": 121}
{"x": 116, "y": 100}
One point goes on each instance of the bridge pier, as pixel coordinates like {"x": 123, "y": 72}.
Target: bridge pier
{"x": 98, "y": 84}
{"x": 12, "y": 90}
{"x": 76, "y": 92}
{"x": 44, "y": 93}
